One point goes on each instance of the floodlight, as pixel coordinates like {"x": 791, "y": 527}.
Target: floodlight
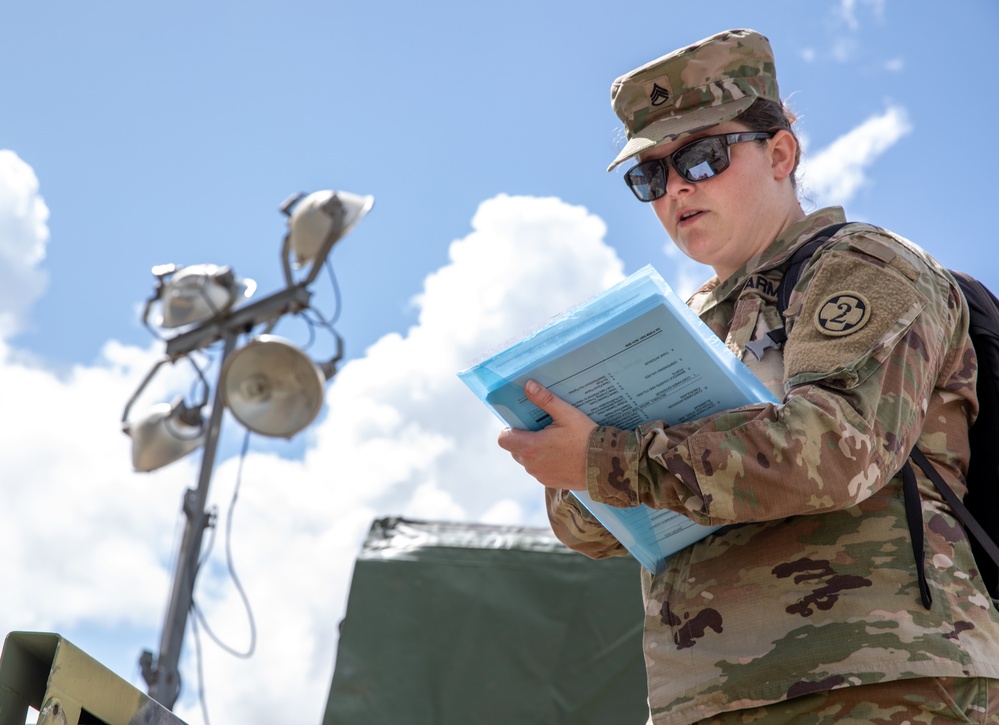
{"x": 198, "y": 292}
{"x": 272, "y": 387}
{"x": 317, "y": 221}
{"x": 168, "y": 432}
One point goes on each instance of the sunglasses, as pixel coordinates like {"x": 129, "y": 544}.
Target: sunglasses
{"x": 697, "y": 161}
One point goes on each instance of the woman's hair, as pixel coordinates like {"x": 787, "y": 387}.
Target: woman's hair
{"x": 766, "y": 115}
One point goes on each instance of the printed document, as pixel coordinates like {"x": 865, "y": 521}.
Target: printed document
{"x": 632, "y": 354}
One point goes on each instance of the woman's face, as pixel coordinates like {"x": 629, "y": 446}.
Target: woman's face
{"x": 727, "y": 219}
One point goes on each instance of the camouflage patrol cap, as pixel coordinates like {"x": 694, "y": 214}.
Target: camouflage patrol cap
{"x": 693, "y": 88}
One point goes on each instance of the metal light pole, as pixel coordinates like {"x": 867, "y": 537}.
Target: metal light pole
{"x": 315, "y": 225}
{"x": 160, "y": 672}
{"x": 162, "y": 676}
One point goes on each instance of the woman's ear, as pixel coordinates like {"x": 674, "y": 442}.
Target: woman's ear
{"x": 783, "y": 152}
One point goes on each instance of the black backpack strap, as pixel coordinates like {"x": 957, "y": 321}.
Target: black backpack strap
{"x": 795, "y": 265}
{"x": 973, "y": 527}
{"x": 910, "y": 490}
{"x": 914, "y": 517}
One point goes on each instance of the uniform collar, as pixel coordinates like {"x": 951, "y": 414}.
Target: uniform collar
{"x": 713, "y": 291}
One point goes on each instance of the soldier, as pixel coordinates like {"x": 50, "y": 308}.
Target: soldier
{"x": 806, "y": 607}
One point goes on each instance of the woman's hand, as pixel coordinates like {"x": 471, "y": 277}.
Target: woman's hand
{"x": 556, "y": 454}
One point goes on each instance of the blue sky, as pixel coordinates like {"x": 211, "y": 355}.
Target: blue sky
{"x": 135, "y": 134}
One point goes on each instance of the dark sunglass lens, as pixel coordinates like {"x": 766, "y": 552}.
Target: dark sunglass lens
{"x": 702, "y": 159}
{"x": 647, "y": 180}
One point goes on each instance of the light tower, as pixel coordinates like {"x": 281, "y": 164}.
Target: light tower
{"x": 269, "y": 385}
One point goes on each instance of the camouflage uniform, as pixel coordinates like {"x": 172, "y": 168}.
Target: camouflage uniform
{"x": 814, "y": 586}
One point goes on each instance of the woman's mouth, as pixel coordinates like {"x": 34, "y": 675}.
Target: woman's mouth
{"x": 686, "y": 216}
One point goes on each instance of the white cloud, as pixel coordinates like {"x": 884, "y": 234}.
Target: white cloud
{"x": 89, "y": 542}
{"x": 836, "y": 173}
{"x": 24, "y": 234}
{"x": 83, "y": 536}
{"x": 403, "y": 436}
{"x": 848, "y": 11}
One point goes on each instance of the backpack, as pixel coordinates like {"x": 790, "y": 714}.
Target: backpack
{"x": 979, "y": 511}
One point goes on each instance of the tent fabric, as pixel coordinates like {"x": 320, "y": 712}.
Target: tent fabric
{"x": 469, "y": 623}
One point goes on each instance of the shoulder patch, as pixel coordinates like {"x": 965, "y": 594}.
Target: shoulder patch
{"x": 853, "y": 309}
{"x": 842, "y": 313}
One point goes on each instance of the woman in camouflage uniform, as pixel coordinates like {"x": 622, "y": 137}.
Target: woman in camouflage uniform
{"x": 806, "y": 609}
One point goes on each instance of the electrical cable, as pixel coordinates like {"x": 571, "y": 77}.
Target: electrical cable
{"x": 321, "y": 320}
{"x": 205, "y": 387}
{"x": 311, "y": 325}
{"x": 199, "y": 660}
{"x": 315, "y": 319}
{"x": 232, "y": 572}
{"x": 201, "y": 672}
{"x": 336, "y": 292}
{"x": 196, "y": 610}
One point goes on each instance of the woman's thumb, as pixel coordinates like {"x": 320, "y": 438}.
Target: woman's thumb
{"x": 544, "y": 398}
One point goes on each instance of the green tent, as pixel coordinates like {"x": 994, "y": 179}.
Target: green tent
{"x": 464, "y": 623}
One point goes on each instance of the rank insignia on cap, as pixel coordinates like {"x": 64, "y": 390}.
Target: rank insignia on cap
{"x": 842, "y": 314}
{"x": 658, "y": 95}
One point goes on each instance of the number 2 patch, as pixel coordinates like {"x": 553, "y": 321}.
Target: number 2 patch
{"x": 842, "y": 314}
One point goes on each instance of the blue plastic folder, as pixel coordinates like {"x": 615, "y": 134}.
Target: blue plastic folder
{"x": 631, "y": 354}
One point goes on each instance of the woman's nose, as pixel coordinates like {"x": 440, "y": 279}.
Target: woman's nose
{"x": 675, "y": 183}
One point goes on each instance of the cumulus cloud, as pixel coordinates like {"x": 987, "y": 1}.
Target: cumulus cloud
{"x": 833, "y": 175}
{"x": 82, "y": 537}
{"x": 402, "y": 436}
{"x": 24, "y": 235}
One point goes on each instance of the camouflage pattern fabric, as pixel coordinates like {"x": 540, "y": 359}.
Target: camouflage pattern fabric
{"x": 693, "y": 88}
{"x": 813, "y": 586}
{"x": 919, "y": 701}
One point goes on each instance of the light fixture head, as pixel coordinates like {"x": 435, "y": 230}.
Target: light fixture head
{"x": 199, "y": 292}
{"x": 168, "y": 432}
{"x": 317, "y": 220}
{"x": 272, "y": 387}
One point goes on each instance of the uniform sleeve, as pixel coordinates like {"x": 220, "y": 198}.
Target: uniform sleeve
{"x": 577, "y": 528}
{"x": 867, "y": 345}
